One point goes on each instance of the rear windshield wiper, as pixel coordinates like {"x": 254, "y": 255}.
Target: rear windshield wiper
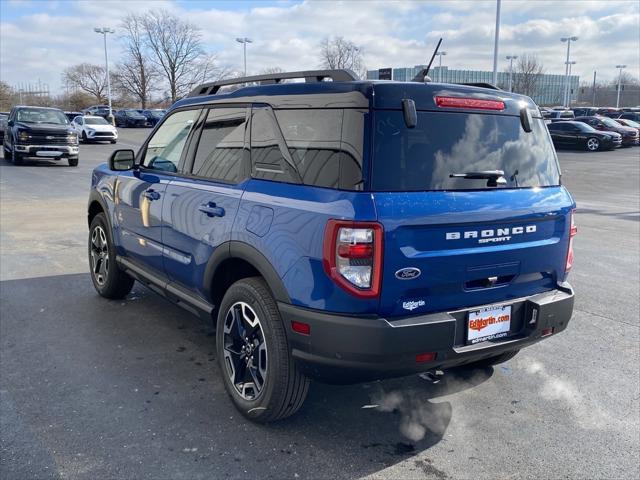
{"x": 493, "y": 177}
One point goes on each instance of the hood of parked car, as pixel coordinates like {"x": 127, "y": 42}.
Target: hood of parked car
{"x": 101, "y": 128}
{"x": 45, "y": 128}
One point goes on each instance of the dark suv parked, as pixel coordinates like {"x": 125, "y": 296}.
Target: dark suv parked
{"x": 39, "y": 132}
{"x": 342, "y": 230}
{"x": 130, "y": 118}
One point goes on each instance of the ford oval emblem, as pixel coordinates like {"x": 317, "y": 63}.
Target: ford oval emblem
{"x": 408, "y": 273}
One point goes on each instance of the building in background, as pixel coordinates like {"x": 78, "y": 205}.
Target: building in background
{"x": 549, "y": 87}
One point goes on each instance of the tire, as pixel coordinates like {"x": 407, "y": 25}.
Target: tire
{"x": 113, "y": 141}
{"x": 491, "y": 361}
{"x": 83, "y": 138}
{"x": 593, "y": 144}
{"x": 283, "y": 388}
{"x": 16, "y": 158}
{"x": 108, "y": 279}
{"x": 73, "y": 162}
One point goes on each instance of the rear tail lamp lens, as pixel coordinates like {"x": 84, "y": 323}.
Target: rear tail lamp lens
{"x": 573, "y": 230}
{"x": 471, "y": 103}
{"x": 353, "y": 256}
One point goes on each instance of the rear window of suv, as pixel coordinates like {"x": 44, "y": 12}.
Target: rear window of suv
{"x": 446, "y": 143}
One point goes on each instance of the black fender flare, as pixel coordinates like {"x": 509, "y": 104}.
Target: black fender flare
{"x": 94, "y": 196}
{"x": 248, "y": 253}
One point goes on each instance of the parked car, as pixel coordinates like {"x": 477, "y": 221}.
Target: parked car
{"x": 71, "y": 115}
{"x": 606, "y": 124}
{"x": 39, "y": 132}
{"x": 94, "y": 129}
{"x": 362, "y": 230}
{"x": 585, "y": 111}
{"x": 607, "y": 112}
{"x": 153, "y": 115}
{"x": 628, "y": 123}
{"x": 560, "y": 115}
{"x": 580, "y": 135}
{"x": 130, "y": 118}
{"x": 98, "y": 111}
{"x": 3, "y": 123}
{"x": 635, "y": 116}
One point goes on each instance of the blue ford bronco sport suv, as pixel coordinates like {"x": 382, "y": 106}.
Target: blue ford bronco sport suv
{"x": 342, "y": 230}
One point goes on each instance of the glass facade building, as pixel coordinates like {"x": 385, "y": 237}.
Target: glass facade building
{"x": 549, "y": 90}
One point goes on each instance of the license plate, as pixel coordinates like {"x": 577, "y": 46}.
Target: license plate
{"x": 488, "y": 323}
{"x": 48, "y": 153}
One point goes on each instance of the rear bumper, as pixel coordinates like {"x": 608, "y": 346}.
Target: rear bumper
{"x": 343, "y": 349}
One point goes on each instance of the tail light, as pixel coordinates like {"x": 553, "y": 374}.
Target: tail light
{"x": 352, "y": 256}
{"x": 572, "y": 233}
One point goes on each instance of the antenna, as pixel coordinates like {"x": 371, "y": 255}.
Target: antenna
{"x": 422, "y": 75}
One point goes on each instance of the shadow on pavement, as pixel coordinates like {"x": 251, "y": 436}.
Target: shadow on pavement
{"x": 131, "y": 389}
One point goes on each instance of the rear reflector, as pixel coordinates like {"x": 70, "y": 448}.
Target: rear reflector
{"x": 473, "y": 103}
{"x": 573, "y": 230}
{"x": 547, "y": 331}
{"x": 303, "y": 328}
{"x": 425, "y": 357}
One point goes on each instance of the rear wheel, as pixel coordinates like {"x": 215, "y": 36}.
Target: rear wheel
{"x": 489, "y": 362}
{"x": 83, "y": 139}
{"x": 593, "y": 144}
{"x": 259, "y": 374}
{"x": 108, "y": 279}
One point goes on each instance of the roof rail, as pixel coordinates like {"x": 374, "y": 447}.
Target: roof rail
{"x": 211, "y": 88}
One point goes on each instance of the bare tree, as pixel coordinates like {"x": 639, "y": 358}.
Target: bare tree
{"x": 271, "y": 70}
{"x": 176, "y": 49}
{"x": 338, "y": 53}
{"x": 527, "y": 74}
{"x": 88, "y": 78}
{"x": 8, "y": 97}
{"x": 136, "y": 74}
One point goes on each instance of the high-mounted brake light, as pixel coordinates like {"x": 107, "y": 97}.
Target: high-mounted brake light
{"x": 472, "y": 103}
{"x": 573, "y": 230}
{"x": 352, "y": 256}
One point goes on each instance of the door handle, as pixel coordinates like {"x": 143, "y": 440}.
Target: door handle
{"x": 211, "y": 210}
{"x": 151, "y": 194}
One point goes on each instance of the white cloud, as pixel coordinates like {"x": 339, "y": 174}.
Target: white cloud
{"x": 38, "y": 40}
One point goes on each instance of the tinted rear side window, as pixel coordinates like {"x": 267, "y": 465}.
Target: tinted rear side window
{"x": 446, "y": 143}
{"x": 221, "y": 146}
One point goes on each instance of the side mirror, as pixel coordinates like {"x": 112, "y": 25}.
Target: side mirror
{"x": 122, "y": 160}
{"x": 10, "y": 123}
{"x": 526, "y": 120}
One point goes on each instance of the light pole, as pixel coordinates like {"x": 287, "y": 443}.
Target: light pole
{"x": 566, "y": 71}
{"x": 440, "y": 54}
{"x": 511, "y": 58}
{"x": 244, "y": 41}
{"x": 568, "y": 104}
{"x": 619, "y": 83}
{"x": 495, "y": 44}
{"x": 104, "y": 31}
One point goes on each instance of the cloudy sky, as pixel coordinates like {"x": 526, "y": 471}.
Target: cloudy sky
{"x": 39, "y": 39}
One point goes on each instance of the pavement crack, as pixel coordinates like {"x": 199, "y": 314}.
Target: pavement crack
{"x": 607, "y": 318}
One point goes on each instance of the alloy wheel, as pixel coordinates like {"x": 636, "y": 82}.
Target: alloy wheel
{"x": 593, "y": 144}
{"x": 245, "y": 351}
{"x": 99, "y": 255}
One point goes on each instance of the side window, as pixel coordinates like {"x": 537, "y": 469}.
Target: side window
{"x": 267, "y": 160}
{"x": 165, "y": 147}
{"x": 221, "y": 147}
{"x": 325, "y": 145}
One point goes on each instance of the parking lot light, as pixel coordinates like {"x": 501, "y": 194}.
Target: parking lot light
{"x": 566, "y": 71}
{"x": 620, "y": 67}
{"x": 104, "y": 31}
{"x": 511, "y": 58}
{"x": 440, "y": 54}
{"x": 244, "y": 41}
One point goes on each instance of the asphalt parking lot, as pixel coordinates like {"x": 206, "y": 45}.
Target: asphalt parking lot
{"x": 93, "y": 389}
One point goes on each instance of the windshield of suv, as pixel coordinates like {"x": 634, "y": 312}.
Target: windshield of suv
{"x": 131, "y": 113}
{"x": 628, "y": 123}
{"x": 41, "y": 115}
{"x": 95, "y": 121}
{"x": 447, "y": 143}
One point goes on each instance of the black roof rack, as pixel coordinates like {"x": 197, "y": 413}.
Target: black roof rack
{"x": 211, "y": 88}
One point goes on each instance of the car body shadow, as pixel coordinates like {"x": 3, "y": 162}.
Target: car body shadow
{"x": 143, "y": 372}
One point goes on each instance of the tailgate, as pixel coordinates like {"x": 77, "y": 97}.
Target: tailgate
{"x": 470, "y": 247}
